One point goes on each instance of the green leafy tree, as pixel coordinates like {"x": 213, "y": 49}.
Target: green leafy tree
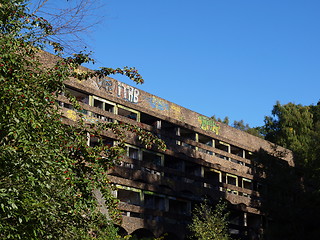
{"x": 225, "y": 120}
{"x": 256, "y": 131}
{"x": 296, "y": 127}
{"x": 291, "y": 126}
{"x": 210, "y": 224}
{"x": 48, "y": 173}
{"x": 241, "y": 125}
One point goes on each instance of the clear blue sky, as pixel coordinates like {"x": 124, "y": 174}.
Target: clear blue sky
{"x": 231, "y": 58}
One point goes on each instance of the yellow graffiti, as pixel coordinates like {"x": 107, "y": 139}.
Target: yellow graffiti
{"x": 209, "y": 124}
{"x": 176, "y": 112}
{"x": 72, "y": 115}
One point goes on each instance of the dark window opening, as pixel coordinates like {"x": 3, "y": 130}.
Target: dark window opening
{"x": 148, "y": 119}
{"x": 222, "y": 146}
{"x": 178, "y": 207}
{"x": 247, "y": 184}
{"x": 249, "y": 155}
{"x": 151, "y": 157}
{"x": 232, "y": 180}
{"x": 173, "y": 176}
{"x": 174, "y": 163}
{"x": 108, "y": 107}
{"x": 205, "y": 140}
{"x": 188, "y": 134}
{"x": 101, "y": 141}
{"x": 211, "y": 176}
{"x": 236, "y": 218}
{"x": 237, "y": 151}
{"x": 103, "y": 105}
{"x": 193, "y": 169}
{"x": 127, "y": 113}
{"x": 67, "y": 105}
{"x": 97, "y": 103}
{"x": 133, "y": 153}
{"x": 167, "y": 126}
{"x": 154, "y": 202}
{"x": 129, "y": 197}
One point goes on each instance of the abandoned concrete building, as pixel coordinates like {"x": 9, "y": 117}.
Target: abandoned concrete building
{"x": 204, "y": 159}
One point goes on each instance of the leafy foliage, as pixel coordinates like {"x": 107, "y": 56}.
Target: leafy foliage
{"x": 241, "y": 125}
{"x": 209, "y": 224}
{"x": 295, "y": 127}
{"x": 47, "y": 170}
{"x": 225, "y": 120}
{"x": 291, "y": 126}
{"x": 256, "y": 131}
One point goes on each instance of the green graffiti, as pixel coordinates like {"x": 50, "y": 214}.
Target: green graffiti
{"x": 209, "y": 124}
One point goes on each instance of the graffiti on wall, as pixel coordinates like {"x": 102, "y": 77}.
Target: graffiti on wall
{"x": 122, "y": 90}
{"x": 157, "y": 103}
{"x": 128, "y": 93}
{"x": 71, "y": 115}
{"x": 105, "y": 84}
{"x": 176, "y": 112}
{"x": 209, "y": 124}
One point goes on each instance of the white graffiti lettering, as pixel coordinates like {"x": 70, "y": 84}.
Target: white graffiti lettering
{"x": 128, "y": 93}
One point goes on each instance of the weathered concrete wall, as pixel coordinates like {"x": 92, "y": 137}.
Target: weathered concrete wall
{"x": 161, "y": 107}
{"x": 135, "y": 98}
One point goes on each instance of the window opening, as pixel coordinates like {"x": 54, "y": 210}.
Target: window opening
{"x": 148, "y": 119}
{"x": 167, "y": 126}
{"x": 152, "y": 157}
{"x": 174, "y": 163}
{"x": 232, "y": 180}
{"x": 80, "y": 96}
{"x": 128, "y": 196}
{"x": 237, "y": 151}
{"x": 193, "y": 169}
{"x": 246, "y": 183}
{"x": 105, "y": 141}
{"x": 212, "y": 176}
{"x": 97, "y": 103}
{"x": 222, "y": 146}
{"x": 178, "y": 207}
{"x": 103, "y": 105}
{"x": 132, "y": 152}
{"x": 154, "y": 202}
{"x": 128, "y": 113}
{"x": 249, "y": 155}
{"x": 205, "y": 140}
{"x": 188, "y": 134}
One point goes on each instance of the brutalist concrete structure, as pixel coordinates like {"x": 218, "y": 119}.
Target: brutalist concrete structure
{"x": 205, "y": 159}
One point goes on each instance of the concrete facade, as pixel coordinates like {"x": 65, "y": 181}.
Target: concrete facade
{"x": 204, "y": 159}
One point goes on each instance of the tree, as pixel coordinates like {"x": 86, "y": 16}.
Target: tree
{"x": 296, "y": 127}
{"x": 209, "y": 224}
{"x": 225, "y": 120}
{"x": 256, "y": 131}
{"x": 47, "y": 171}
{"x": 291, "y": 126}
